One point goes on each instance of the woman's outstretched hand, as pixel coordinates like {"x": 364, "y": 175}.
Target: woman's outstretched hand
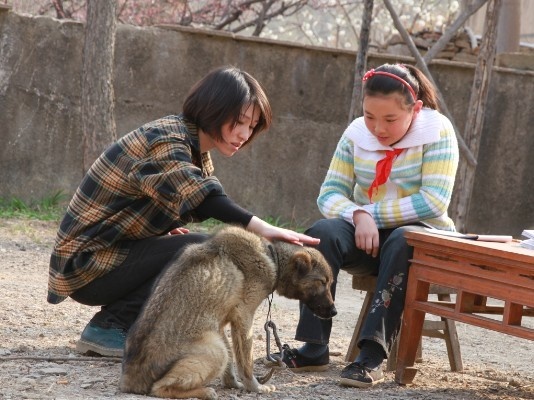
{"x": 271, "y": 232}
{"x": 179, "y": 231}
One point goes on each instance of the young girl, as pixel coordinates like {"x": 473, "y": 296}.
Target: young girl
{"x": 393, "y": 169}
{"x": 113, "y": 241}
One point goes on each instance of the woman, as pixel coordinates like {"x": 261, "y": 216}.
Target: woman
{"x": 114, "y": 240}
{"x": 393, "y": 170}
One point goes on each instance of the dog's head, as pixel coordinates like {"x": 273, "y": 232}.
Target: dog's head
{"x": 305, "y": 275}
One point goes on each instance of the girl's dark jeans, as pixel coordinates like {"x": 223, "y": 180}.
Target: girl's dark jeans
{"x": 391, "y": 266}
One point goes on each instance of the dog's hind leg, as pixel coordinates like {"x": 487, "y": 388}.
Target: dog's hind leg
{"x": 229, "y": 377}
{"x": 242, "y": 340}
{"x": 201, "y": 362}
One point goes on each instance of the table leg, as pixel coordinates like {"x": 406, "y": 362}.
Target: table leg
{"x": 408, "y": 344}
{"x": 412, "y": 326}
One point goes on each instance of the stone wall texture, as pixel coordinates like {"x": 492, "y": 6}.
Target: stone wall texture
{"x": 280, "y": 174}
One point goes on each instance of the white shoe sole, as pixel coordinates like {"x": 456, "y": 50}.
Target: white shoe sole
{"x": 358, "y": 384}
{"x": 85, "y": 347}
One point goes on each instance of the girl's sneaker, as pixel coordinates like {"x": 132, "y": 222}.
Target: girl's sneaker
{"x": 360, "y": 376}
{"x": 299, "y": 363}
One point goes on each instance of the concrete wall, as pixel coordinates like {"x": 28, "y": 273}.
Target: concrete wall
{"x": 280, "y": 174}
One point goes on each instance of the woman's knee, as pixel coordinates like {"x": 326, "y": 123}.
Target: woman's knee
{"x": 327, "y": 229}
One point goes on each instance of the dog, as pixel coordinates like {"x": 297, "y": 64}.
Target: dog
{"x": 178, "y": 344}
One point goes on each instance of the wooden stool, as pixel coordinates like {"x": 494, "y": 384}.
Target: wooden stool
{"x": 444, "y": 329}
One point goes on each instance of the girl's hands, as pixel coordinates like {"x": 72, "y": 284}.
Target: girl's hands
{"x": 270, "y": 232}
{"x": 366, "y": 236}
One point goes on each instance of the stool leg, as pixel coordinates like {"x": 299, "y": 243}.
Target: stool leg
{"x": 453, "y": 346}
{"x": 451, "y": 340}
{"x": 354, "y": 350}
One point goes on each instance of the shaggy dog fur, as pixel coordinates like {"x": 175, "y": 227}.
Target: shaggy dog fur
{"x": 178, "y": 343}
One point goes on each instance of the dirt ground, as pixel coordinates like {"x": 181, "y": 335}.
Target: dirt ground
{"x": 38, "y": 358}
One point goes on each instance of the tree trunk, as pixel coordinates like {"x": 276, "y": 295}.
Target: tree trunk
{"x": 509, "y": 27}
{"x": 97, "y": 102}
{"x": 361, "y": 61}
{"x": 475, "y": 118}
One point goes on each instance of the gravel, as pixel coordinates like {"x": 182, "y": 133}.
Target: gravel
{"x": 38, "y": 358}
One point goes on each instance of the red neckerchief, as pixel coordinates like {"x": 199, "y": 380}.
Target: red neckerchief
{"x": 383, "y": 169}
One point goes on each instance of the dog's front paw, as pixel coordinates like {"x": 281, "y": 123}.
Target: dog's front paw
{"x": 266, "y": 388}
{"x": 229, "y": 379}
{"x": 210, "y": 394}
{"x": 232, "y": 384}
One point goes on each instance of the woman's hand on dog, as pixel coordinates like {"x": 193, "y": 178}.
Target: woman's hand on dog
{"x": 271, "y": 232}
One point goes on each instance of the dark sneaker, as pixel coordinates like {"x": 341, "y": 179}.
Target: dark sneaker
{"x": 300, "y": 363}
{"x": 102, "y": 341}
{"x": 357, "y": 375}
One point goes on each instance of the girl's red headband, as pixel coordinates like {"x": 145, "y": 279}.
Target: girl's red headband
{"x": 372, "y": 72}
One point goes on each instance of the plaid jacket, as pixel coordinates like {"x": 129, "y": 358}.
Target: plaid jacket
{"x": 145, "y": 184}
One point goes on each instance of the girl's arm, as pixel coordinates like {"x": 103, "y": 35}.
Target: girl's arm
{"x": 335, "y": 197}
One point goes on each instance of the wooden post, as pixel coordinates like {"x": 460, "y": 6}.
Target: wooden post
{"x": 413, "y": 49}
{"x": 475, "y": 116}
{"x": 361, "y": 61}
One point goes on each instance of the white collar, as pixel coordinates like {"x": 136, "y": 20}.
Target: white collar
{"x": 425, "y": 129}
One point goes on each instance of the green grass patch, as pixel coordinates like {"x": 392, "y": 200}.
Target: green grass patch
{"x": 50, "y": 208}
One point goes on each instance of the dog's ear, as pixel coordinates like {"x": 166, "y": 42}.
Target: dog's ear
{"x": 303, "y": 262}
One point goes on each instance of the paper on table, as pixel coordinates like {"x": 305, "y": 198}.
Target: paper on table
{"x": 528, "y": 243}
{"x": 482, "y": 238}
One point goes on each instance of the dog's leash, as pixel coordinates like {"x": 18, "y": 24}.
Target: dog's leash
{"x": 270, "y": 325}
{"x": 278, "y": 360}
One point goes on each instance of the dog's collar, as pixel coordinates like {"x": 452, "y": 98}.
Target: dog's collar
{"x": 274, "y": 256}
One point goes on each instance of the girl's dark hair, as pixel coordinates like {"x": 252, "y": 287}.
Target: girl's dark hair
{"x": 220, "y": 97}
{"x": 382, "y": 84}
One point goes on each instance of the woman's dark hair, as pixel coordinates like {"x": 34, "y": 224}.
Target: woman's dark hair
{"x": 220, "y": 97}
{"x": 382, "y": 84}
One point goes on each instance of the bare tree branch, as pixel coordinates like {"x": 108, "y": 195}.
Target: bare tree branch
{"x": 466, "y": 152}
{"x": 290, "y": 8}
{"x": 260, "y": 21}
{"x": 60, "y": 12}
{"x": 443, "y": 40}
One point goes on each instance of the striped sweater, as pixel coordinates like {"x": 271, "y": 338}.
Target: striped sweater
{"x": 419, "y": 187}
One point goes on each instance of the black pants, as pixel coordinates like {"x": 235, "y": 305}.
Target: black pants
{"x": 122, "y": 292}
{"x": 391, "y": 266}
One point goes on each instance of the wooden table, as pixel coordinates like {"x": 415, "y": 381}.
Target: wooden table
{"x": 477, "y": 271}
